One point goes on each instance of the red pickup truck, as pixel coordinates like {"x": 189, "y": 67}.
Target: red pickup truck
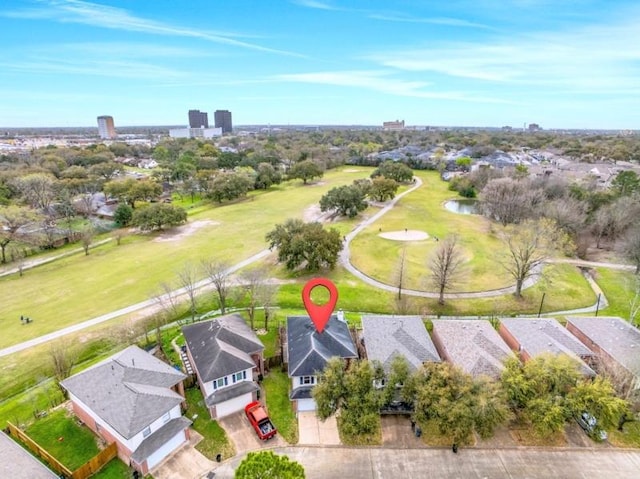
{"x": 260, "y": 420}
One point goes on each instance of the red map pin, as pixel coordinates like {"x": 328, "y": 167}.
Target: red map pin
{"x": 320, "y": 314}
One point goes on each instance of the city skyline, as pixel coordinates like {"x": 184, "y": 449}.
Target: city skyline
{"x": 483, "y": 63}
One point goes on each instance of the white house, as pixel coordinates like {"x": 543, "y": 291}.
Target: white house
{"x": 225, "y": 353}
{"x": 134, "y": 399}
{"x": 308, "y": 352}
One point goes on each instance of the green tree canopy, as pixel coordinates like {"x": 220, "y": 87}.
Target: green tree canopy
{"x": 306, "y": 170}
{"x": 229, "y": 185}
{"x": 393, "y": 170}
{"x": 268, "y": 465}
{"x": 347, "y": 200}
{"x": 626, "y": 183}
{"x": 383, "y": 189}
{"x": 301, "y": 243}
{"x": 158, "y": 216}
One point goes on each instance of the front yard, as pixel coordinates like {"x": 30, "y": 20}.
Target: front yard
{"x": 215, "y": 440}
{"x": 276, "y": 386}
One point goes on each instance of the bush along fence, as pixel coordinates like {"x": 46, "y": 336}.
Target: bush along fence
{"x": 89, "y": 468}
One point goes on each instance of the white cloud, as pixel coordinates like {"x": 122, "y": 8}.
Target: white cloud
{"x": 314, "y": 4}
{"x": 446, "y": 21}
{"x": 103, "y": 16}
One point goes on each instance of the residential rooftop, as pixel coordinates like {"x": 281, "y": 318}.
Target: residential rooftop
{"x": 386, "y": 337}
{"x": 471, "y": 344}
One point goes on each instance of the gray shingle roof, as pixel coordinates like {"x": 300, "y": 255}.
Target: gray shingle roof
{"x": 156, "y": 440}
{"x": 546, "y": 335}
{"x": 221, "y": 346}
{"x": 615, "y": 336}
{"x": 128, "y": 391}
{"x": 230, "y": 392}
{"x": 309, "y": 351}
{"x": 473, "y": 345}
{"x": 18, "y": 463}
{"x": 386, "y": 337}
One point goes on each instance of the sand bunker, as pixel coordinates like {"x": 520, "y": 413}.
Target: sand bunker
{"x": 184, "y": 231}
{"x": 406, "y": 235}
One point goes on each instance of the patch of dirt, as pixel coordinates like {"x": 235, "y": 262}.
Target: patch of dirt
{"x": 312, "y": 213}
{"x": 406, "y": 235}
{"x": 184, "y": 231}
{"x": 352, "y": 171}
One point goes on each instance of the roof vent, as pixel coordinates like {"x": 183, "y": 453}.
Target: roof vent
{"x": 133, "y": 362}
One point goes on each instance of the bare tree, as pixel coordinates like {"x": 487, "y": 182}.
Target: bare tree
{"x": 527, "y": 246}
{"x": 509, "y": 201}
{"x": 634, "y": 298}
{"x": 38, "y": 189}
{"x": 18, "y": 256}
{"x": 631, "y": 247}
{"x": 63, "y": 358}
{"x": 167, "y": 300}
{"x": 401, "y": 271}
{"x": 86, "y": 237}
{"x": 259, "y": 291}
{"x": 12, "y": 220}
{"x": 445, "y": 265}
{"x": 218, "y": 273}
{"x": 188, "y": 279}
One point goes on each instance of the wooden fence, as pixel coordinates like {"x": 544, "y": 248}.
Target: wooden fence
{"x": 87, "y": 469}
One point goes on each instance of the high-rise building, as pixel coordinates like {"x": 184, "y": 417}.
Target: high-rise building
{"x": 393, "y": 125}
{"x": 198, "y": 119}
{"x": 223, "y": 120}
{"x": 106, "y": 128}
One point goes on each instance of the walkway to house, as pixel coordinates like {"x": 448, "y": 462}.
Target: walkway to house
{"x": 313, "y": 431}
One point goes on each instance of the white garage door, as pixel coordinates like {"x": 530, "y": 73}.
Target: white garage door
{"x": 169, "y": 446}
{"x": 233, "y": 405}
{"x": 306, "y": 405}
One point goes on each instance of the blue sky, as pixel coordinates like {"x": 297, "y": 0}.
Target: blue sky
{"x": 562, "y": 64}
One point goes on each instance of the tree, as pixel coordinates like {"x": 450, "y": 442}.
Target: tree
{"x": 266, "y": 176}
{"x": 158, "y": 216}
{"x": 256, "y": 288}
{"x": 347, "y": 200}
{"x": 86, "y": 237}
{"x": 218, "y": 272}
{"x": 509, "y": 201}
{"x": 106, "y": 171}
{"x": 187, "y": 277}
{"x": 464, "y": 163}
{"x": 268, "y": 465}
{"x": 63, "y": 358}
{"x": 123, "y": 215}
{"x": 38, "y": 189}
{"x": 458, "y": 404}
{"x": 598, "y": 398}
{"x": 350, "y": 394}
{"x": 301, "y": 243}
{"x": 130, "y": 190}
{"x": 12, "y": 219}
{"x": 383, "y": 189}
{"x": 445, "y": 265}
{"x": 306, "y": 170}
{"x": 631, "y": 247}
{"x": 527, "y": 246}
{"x": 626, "y": 183}
{"x": 392, "y": 170}
{"x": 230, "y": 185}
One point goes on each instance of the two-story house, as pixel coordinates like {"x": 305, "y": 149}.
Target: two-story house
{"x": 227, "y": 357}
{"x": 308, "y": 352}
{"x": 134, "y": 399}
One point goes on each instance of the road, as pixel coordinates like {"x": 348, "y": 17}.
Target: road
{"x": 516, "y": 463}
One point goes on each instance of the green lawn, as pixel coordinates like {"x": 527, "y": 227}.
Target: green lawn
{"x": 115, "y": 469}
{"x": 276, "y": 386}
{"x": 629, "y": 437}
{"x": 69, "y": 443}
{"x": 617, "y": 286}
{"x": 214, "y": 440}
{"x": 373, "y": 439}
{"x": 112, "y": 276}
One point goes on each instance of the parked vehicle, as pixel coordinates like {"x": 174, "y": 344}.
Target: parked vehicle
{"x": 590, "y": 425}
{"x": 260, "y": 420}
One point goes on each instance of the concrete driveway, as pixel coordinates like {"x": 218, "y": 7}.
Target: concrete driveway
{"x": 245, "y": 439}
{"x": 396, "y": 432}
{"x": 186, "y": 463}
{"x": 313, "y": 431}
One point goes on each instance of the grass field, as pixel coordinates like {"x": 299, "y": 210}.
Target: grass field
{"x": 423, "y": 210}
{"x": 618, "y": 287}
{"x": 78, "y": 287}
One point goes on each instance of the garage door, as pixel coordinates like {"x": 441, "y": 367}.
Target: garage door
{"x": 169, "y": 446}
{"x": 306, "y": 405}
{"x": 233, "y": 405}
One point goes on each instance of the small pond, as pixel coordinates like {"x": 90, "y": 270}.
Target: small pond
{"x": 463, "y": 206}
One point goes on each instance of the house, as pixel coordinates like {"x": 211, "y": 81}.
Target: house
{"x": 532, "y": 337}
{"x": 472, "y": 345}
{"x": 225, "y": 353}
{"x": 307, "y": 353}
{"x": 18, "y": 463}
{"x": 611, "y": 337}
{"x": 134, "y": 399}
{"x": 386, "y": 337}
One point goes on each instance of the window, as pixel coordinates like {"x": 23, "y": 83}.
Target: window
{"x": 146, "y": 432}
{"x": 218, "y": 383}
{"x": 239, "y": 376}
{"x": 166, "y": 417}
{"x": 305, "y": 380}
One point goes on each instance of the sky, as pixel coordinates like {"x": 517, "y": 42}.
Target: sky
{"x": 493, "y": 63}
